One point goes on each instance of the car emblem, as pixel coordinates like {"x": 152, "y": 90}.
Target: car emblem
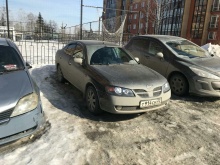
{"x": 149, "y": 86}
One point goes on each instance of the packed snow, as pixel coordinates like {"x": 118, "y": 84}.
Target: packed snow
{"x": 212, "y": 49}
{"x": 187, "y": 133}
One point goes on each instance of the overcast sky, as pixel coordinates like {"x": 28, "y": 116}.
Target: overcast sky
{"x": 66, "y": 11}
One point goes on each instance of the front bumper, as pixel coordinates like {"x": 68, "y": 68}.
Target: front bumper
{"x": 131, "y": 105}
{"x": 204, "y": 86}
{"x": 23, "y": 125}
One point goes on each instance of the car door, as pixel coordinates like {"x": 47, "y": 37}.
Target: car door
{"x": 77, "y": 70}
{"x": 147, "y": 49}
{"x": 64, "y": 56}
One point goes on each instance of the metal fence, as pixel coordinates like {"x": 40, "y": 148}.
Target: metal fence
{"x": 38, "y": 43}
{"x": 39, "y": 52}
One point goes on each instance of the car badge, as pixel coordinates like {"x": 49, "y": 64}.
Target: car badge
{"x": 149, "y": 86}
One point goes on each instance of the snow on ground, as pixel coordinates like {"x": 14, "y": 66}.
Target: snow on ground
{"x": 212, "y": 49}
{"x": 188, "y": 133}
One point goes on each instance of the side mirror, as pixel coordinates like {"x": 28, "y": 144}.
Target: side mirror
{"x": 137, "y": 59}
{"x": 78, "y": 60}
{"x": 160, "y": 55}
{"x": 28, "y": 65}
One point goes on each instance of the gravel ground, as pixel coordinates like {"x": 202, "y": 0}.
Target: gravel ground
{"x": 187, "y": 133}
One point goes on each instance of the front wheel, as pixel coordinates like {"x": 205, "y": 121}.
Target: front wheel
{"x": 92, "y": 100}
{"x": 179, "y": 85}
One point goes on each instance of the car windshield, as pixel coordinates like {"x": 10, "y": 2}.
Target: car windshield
{"x": 187, "y": 49}
{"x": 110, "y": 55}
{"x": 9, "y": 60}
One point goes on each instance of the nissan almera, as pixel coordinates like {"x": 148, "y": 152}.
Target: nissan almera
{"x": 110, "y": 79}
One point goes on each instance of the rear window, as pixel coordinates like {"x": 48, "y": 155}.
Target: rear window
{"x": 187, "y": 49}
{"x": 10, "y": 59}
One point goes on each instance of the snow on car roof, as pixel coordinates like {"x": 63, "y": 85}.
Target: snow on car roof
{"x": 163, "y": 38}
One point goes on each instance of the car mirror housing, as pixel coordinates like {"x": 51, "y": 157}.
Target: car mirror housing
{"x": 28, "y": 65}
{"x": 78, "y": 60}
{"x": 137, "y": 59}
{"x": 160, "y": 55}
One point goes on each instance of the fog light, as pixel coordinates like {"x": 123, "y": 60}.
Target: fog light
{"x": 119, "y": 107}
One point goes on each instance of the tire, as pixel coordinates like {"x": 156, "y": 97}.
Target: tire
{"x": 179, "y": 85}
{"x": 92, "y": 101}
{"x": 60, "y": 75}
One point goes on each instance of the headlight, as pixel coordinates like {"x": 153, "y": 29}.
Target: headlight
{"x": 119, "y": 91}
{"x": 26, "y": 104}
{"x": 166, "y": 87}
{"x": 203, "y": 73}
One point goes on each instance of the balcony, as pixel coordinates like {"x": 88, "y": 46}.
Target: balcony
{"x": 215, "y": 8}
{"x": 213, "y": 25}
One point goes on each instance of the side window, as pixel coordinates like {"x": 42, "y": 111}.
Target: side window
{"x": 70, "y": 49}
{"x": 154, "y": 48}
{"x": 140, "y": 45}
{"x": 78, "y": 52}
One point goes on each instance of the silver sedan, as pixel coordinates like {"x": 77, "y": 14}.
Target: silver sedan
{"x": 21, "y": 113}
{"x": 111, "y": 79}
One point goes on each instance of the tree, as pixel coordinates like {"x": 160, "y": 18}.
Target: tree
{"x": 3, "y": 21}
{"x": 39, "y": 26}
{"x": 31, "y": 22}
{"x": 158, "y": 10}
{"x": 3, "y": 17}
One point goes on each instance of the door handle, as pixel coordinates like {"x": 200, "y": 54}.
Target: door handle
{"x": 147, "y": 57}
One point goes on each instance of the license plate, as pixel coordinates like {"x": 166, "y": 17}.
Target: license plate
{"x": 150, "y": 103}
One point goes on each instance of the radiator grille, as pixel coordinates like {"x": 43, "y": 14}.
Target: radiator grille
{"x": 6, "y": 114}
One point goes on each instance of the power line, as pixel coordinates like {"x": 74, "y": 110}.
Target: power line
{"x": 104, "y": 8}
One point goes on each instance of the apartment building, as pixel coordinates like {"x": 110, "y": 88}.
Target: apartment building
{"x": 196, "y": 20}
{"x": 140, "y": 17}
{"x": 214, "y": 23}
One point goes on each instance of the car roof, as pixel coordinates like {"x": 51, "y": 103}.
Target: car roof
{"x": 95, "y": 42}
{"x": 4, "y": 42}
{"x": 163, "y": 38}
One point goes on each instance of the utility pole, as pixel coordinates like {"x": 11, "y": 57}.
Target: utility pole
{"x": 7, "y": 18}
{"x": 81, "y": 12}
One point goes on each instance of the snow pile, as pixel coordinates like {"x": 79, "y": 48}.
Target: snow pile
{"x": 212, "y": 49}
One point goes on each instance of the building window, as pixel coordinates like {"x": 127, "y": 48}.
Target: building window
{"x": 142, "y": 15}
{"x": 141, "y": 26}
{"x": 136, "y": 6}
{"x": 216, "y": 5}
{"x": 135, "y": 16}
{"x": 131, "y": 8}
{"x": 172, "y": 16}
{"x": 199, "y": 18}
{"x": 214, "y": 22}
{"x": 142, "y": 4}
{"x": 134, "y": 26}
{"x": 212, "y": 36}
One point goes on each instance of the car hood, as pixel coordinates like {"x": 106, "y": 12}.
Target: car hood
{"x": 14, "y": 85}
{"x": 129, "y": 76}
{"x": 210, "y": 64}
